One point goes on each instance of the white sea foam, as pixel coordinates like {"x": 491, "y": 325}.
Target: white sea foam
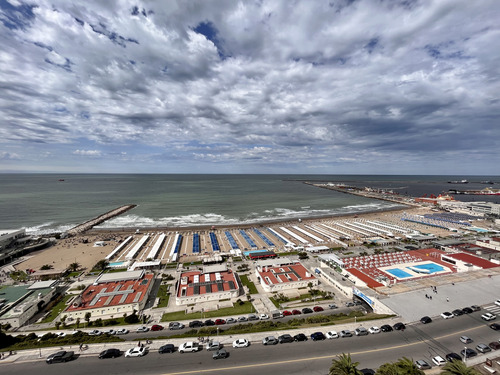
{"x": 48, "y": 228}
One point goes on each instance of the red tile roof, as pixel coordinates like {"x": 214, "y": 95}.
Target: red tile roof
{"x": 226, "y": 277}
{"x": 365, "y": 278}
{"x": 477, "y": 261}
{"x": 286, "y": 273}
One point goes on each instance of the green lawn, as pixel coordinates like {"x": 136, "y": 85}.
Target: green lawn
{"x": 237, "y": 309}
{"x": 249, "y": 284}
{"x": 56, "y": 310}
{"x": 164, "y": 296}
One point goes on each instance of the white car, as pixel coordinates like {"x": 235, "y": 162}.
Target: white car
{"x": 189, "y": 346}
{"x": 61, "y": 334}
{"x": 109, "y": 332}
{"x": 447, "y": 315}
{"x": 142, "y": 329}
{"x": 241, "y": 343}
{"x": 95, "y": 332}
{"x": 332, "y": 335}
{"x": 122, "y": 331}
{"x": 488, "y": 316}
{"x": 263, "y": 316}
{"x": 374, "y": 330}
{"x": 136, "y": 351}
{"x": 438, "y": 360}
{"x": 497, "y": 302}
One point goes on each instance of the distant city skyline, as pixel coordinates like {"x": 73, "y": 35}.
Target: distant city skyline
{"x": 303, "y": 87}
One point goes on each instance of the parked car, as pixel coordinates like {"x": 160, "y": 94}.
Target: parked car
{"x": 332, "y": 335}
{"x": 296, "y": 312}
{"x": 167, "y": 348}
{"x": 95, "y": 332}
{"x": 307, "y": 310}
{"x": 109, "y": 332}
{"x": 242, "y": 319}
{"x": 358, "y": 303}
{"x": 136, "y": 351}
{"x": 219, "y": 322}
{"x": 230, "y": 321}
{"x": 465, "y": 339}
{"x": 361, "y": 331}
{"x": 399, "y": 326}
{"x": 213, "y": 345}
{"x": 318, "y": 336}
{"x": 287, "y": 313}
{"x": 300, "y": 337}
{"x": 374, "y": 330}
{"x": 332, "y": 306}
{"x": 263, "y": 316}
{"x": 156, "y": 327}
{"x": 286, "y": 338}
{"x": 142, "y": 329}
{"x": 110, "y": 353}
{"x": 495, "y": 345}
{"x": 221, "y": 353}
{"x": 196, "y": 323}
{"x": 468, "y": 353}
{"x": 349, "y": 304}
{"x": 386, "y": 328}
{"x": 190, "y": 346}
{"x": 447, "y": 315}
{"x": 175, "y": 325}
{"x": 345, "y": 333}
{"x": 253, "y": 317}
{"x": 438, "y": 360}
{"x": 425, "y": 320}
{"x": 122, "y": 331}
{"x": 61, "y": 356}
{"x": 475, "y": 307}
{"x": 269, "y": 340}
{"x": 422, "y": 365}
{"x": 457, "y": 312}
{"x": 495, "y": 326}
{"x": 483, "y": 348}
{"x": 241, "y": 343}
{"x": 497, "y": 302}
{"x": 488, "y": 316}
{"x": 467, "y": 310}
{"x": 209, "y": 322}
{"x": 453, "y": 357}
{"x": 317, "y": 309}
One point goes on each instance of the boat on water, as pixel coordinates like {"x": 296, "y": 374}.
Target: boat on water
{"x": 458, "y": 182}
{"x": 485, "y": 191}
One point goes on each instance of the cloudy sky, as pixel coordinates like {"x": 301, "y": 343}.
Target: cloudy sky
{"x": 339, "y": 86}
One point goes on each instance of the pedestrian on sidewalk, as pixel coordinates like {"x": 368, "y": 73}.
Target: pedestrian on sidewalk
{"x": 447, "y": 299}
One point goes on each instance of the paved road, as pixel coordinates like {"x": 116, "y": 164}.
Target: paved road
{"x": 418, "y": 341}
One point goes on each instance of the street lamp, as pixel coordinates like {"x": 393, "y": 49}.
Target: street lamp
{"x": 217, "y": 333}
{"x": 465, "y": 355}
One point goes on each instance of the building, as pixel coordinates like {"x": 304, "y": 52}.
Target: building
{"x": 214, "y": 283}
{"x": 7, "y": 237}
{"x": 113, "y": 294}
{"x": 282, "y": 274}
{"x": 18, "y": 304}
{"x": 463, "y": 262}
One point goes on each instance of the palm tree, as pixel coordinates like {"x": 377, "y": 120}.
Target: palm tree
{"x": 343, "y": 365}
{"x": 388, "y": 369}
{"x": 457, "y": 368}
{"x": 46, "y": 267}
{"x": 408, "y": 367}
{"x": 74, "y": 266}
{"x": 101, "y": 265}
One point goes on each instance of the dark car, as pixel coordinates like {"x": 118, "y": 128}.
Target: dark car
{"x": 253, "y": 317}
{"x": 495, "y": 326}
{"x": 468, "y": 353}
{"x": 495, "y": 345}
{"x": 349, "y": 304}
{"x": 467, "y": 310}
{"x": 318, "y": 336}
{"x": 196, "y": 323}
{"x": 317, "y": 308}
{"x": 219, "y": 322}
{"x": 300, "y": 337}
{"x": 399, "y": 326}
{"x": 285, "y": 338}
{"x": 156, "y": 327}
{"x": 306, "y": 310}
{"x": 110, "y": 353}
{"x": 453, "y": 357}
{"x": 62, "y": 356}
{"x": 221, "y": 353}
{"x": 386, "y": 328}
{"x": 209, "y": 322}
{"x": 167, "y": 348}
{"x": 426, "y": 320}
{"x": 457, "y": 312}
{"x": 296, "y": 312}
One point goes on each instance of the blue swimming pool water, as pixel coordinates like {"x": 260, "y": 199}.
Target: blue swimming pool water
{"x": 480, "y": 230}
{"x": 247, "y": 253}
{"x": 399, "y": 273}
{"x": 116, "y": 264}
{"x": 431, "y": 267}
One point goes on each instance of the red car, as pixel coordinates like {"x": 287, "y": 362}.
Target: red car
{"x": 317, "y": 308}
{"x": 156, "y": 327}
{"x": 286, "y": 313}
{"x": 296, "y": 312}
{"x": 218, "y": 322}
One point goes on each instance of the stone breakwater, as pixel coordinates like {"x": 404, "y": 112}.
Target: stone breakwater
{"x": 99, "y": 219}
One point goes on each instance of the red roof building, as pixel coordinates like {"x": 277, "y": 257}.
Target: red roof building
{"x": 276, "y": 276}
{"x": 467, "y": 262}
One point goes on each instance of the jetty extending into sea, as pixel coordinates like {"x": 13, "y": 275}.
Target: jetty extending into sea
{"x": 99, "y": 219}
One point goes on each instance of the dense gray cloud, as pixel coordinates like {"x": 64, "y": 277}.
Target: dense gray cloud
{"x": 408, "y": 87}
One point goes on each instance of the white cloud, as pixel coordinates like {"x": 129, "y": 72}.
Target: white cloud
{"x": 93, "y": 153}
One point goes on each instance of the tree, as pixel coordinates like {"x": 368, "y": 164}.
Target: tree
{"x": 457, "y": 368}
{"x": 101, "y": 265}
{"x": 343, "y": 365}
{"x": 404, "y": 366}
{"x": 77, "y": 322}
{"x": 46, "y": 267}
{"x": 74, "y": 266}
{"x": 88, "y": 314}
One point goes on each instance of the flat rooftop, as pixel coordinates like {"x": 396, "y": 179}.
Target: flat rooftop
{"x": 198, "y": 283}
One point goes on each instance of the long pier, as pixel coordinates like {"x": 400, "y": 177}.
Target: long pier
{"x": 99, "y": 219}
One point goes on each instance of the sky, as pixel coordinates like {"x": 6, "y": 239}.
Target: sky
{"x": 269, "y": 86}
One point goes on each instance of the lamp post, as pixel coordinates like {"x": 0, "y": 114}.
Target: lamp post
{"x": 217, "y": 333}
{"x": 465, "y": 355}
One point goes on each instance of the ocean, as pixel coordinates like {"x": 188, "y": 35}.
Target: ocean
{"x": 47, "y": 203}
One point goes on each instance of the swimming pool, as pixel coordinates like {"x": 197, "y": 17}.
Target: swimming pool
{"x": 430, "y": 267}
{"x": 479, "y": 230}
{"x": 116, "y": 264}
{"x": 399, "y": 273}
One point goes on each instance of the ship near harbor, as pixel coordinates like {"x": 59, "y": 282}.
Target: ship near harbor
{"x": 485, "y": 191}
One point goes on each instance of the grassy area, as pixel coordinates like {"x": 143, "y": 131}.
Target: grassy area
{"x": 251, "y": 286}
{"x": 57, "y": 309}
{"x": 237, "y": 309}
{"x": 164, "y": 296}
{"x": 191, "y": 264}
{"x": 19, "y": 276}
